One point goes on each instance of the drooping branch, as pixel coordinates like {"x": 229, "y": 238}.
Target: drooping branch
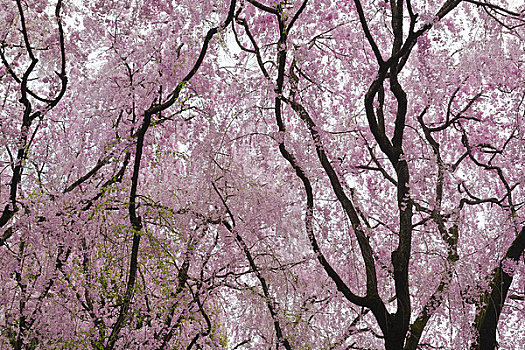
{"x": 368, "y": 34}
{"x": 297, "y": 14}
{"x": 496, "y": 7}
{"x": 174, "y": 95}
{"x": 204, "y": 314}
{"x": 255, "y": 49}
{"x": 488, "y": 167}
{"x": 348, "y": 206}
{"x": 100, "y": 163}
{"x": 263, "y": 7}
{"x": 169, "y": 326}
{"x": 270, "y": 303}
{"x": 28, "y": 115}
{"x": 135, "y": 219}
{"x": 450, "y": 237}
{"x": 371, "y": 300}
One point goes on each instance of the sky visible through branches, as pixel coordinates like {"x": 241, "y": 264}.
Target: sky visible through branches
{"x": 262, "y": 174}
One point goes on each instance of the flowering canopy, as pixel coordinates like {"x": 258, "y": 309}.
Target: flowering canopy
{"x": 243, "y": 174}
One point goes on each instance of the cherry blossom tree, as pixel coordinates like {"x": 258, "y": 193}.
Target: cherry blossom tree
{"x": 299, "y": 174}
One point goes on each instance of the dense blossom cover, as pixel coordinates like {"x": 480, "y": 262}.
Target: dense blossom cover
{"x": 262, "y": 174}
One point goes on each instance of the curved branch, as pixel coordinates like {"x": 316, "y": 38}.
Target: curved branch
{"x": 135, "y": 219}
{"x": 270, "y": 303}
{"x": 368, "y": 35}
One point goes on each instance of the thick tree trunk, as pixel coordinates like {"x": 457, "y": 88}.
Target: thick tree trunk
{"x": 396, "y": 333}
{"x": 395, "y": 341}
{"x": 494, "y": 299}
